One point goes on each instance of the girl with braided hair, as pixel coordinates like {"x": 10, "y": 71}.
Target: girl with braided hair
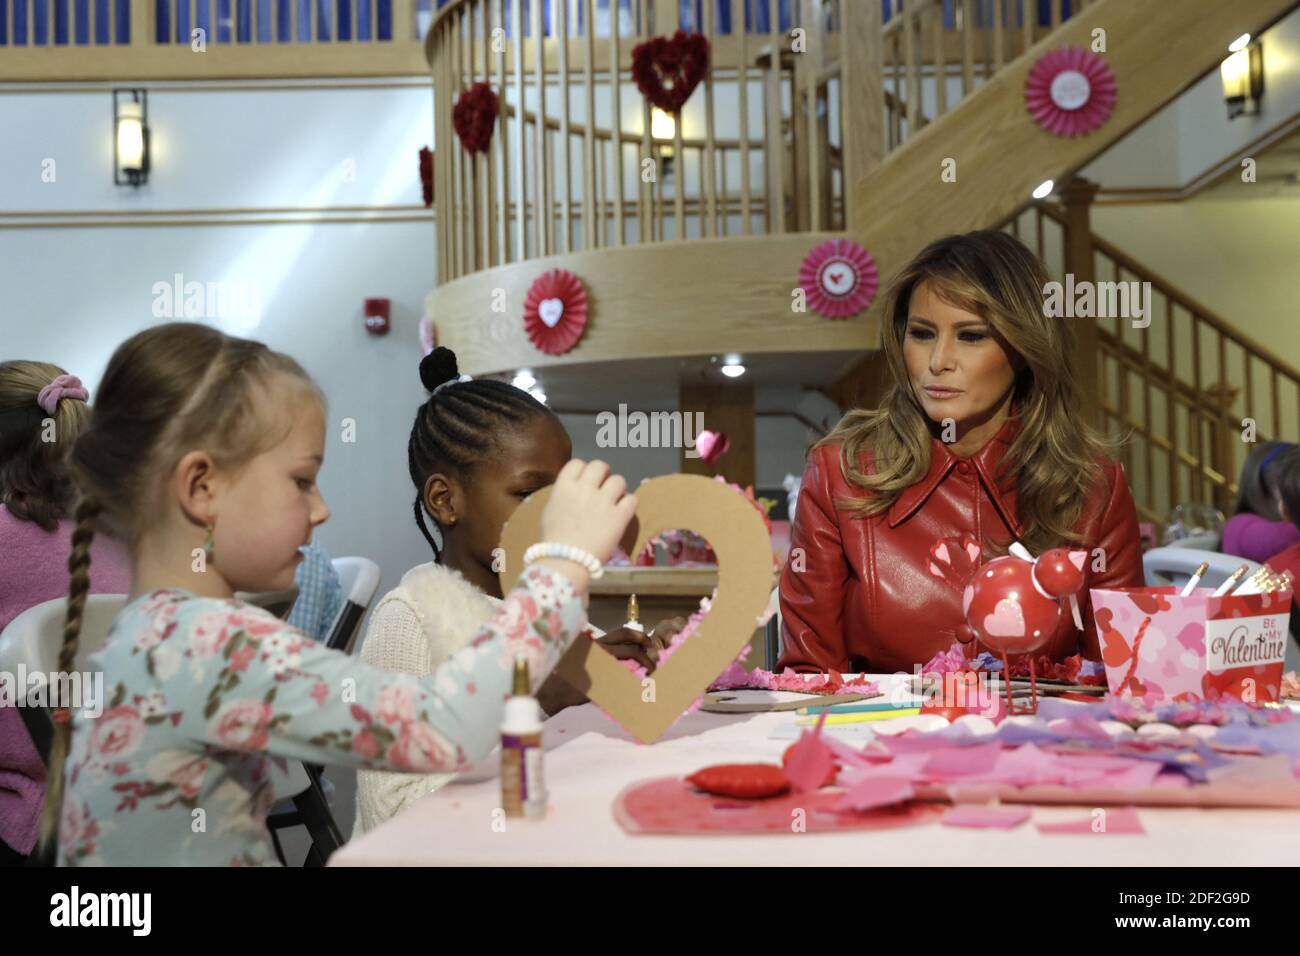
{"x": 478, "y": 448}
{"x": 42, "y": 412}
{"x": 202, "y": 455}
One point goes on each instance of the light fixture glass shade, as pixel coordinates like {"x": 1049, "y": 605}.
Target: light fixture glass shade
{"x": 1242, "y": 75}
{"x": 130, "y": 137}
{"x": 661, "y": 124}
{"x": 1235, "y": 73}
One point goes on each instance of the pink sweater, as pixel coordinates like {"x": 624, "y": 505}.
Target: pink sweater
{"x": 33, "y": 570}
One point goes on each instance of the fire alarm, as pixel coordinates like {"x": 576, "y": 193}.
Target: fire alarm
{"x": 377, "y": 316}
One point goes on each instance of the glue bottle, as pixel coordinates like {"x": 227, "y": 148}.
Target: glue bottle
{"x": 523, "y": 789}
{"x": 634, "y": 615}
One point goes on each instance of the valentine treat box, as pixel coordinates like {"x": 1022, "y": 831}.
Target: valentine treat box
{"x": 1156, "y": 643}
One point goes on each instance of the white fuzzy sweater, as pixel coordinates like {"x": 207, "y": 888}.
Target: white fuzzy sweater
{"x": 415, "y": 627}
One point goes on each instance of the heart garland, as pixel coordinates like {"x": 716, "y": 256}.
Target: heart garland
{"x": 426, "y": 174}
{"x": 473, "y": 116}
{"x": 555, "y": 311}
{"x": 646, "y": 707}
{"x": 667, "y": 70}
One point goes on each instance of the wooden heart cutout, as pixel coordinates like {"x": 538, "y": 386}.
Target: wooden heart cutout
{"x": 735, "y": 529}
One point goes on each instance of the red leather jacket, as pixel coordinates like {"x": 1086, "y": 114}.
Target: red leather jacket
{"x": 865, "y": 600}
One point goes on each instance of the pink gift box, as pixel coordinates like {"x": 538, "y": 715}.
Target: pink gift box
{"x": 1192, "y": 647}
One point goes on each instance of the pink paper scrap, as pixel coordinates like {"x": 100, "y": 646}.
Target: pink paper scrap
{"x": 867, "y": 793}
{"x": 986, "y": 818}
{"x": 1113, "y": 821}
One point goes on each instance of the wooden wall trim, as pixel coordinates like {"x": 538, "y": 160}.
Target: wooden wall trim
{"x": 692, "y": 297}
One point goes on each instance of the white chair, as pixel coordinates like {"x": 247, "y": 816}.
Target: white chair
{"x": 1208, "y": 541}
{"x": 1175, "y": 564}
{"x": 359, "y": 578}
{"x": 31, "y": 643}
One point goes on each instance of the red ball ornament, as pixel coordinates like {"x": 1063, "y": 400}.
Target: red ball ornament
{"x": 1059, "y": 571}
{"x": 1005, "y": 611}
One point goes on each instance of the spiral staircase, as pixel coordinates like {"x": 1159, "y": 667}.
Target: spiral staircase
{"x": 818, "y": 119}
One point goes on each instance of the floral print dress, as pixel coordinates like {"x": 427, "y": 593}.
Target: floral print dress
{"x": 203, "y": 693}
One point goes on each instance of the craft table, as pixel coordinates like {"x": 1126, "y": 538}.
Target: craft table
{"x": 589, "y": 760}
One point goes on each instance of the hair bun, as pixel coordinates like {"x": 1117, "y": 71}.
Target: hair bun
{"x": 437, "y": 367}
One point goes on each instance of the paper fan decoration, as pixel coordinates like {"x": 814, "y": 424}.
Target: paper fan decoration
{"x": 839, "y": 278}
{"x": 555, "y": 311}
{"x": 1070, "y": 92}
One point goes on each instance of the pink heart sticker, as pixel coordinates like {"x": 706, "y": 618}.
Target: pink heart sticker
{"x": 551, "y": 311}
{"x": 1007, "y": 620}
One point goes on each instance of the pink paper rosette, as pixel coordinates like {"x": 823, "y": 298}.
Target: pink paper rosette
{"x": 839, "y": 278}
{"x": 555, "y": 311}
{"x": 1070, "y": 92}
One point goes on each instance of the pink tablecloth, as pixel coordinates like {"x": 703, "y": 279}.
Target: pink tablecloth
{"x": 589, "y": 760}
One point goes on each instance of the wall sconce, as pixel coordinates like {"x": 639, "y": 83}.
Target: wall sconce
{"x": 663, "y": 127}
{"x": 130, "y": 137}
{"x": 1243, "y": 77}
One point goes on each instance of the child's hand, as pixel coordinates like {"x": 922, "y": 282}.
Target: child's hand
{"x": 624, "y": 644}
{"x": 663, "y": 633}
{"x": 588, "y": 508}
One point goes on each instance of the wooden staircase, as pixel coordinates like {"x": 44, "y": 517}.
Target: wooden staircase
{"x": 860, "y": 120}
{"x": 1002, "y": 156}
{"x": 1185, "y": 397}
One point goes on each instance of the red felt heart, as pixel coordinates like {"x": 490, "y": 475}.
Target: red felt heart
{"x": 667, "y": 70}
{"x": 473, "y": 116}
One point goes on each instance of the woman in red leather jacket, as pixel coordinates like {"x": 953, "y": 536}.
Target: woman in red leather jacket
{"x": 979, "y": 432}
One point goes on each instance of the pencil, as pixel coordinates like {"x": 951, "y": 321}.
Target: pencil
{"x": 1229, "y": 584}
{"x": 1195, "y": 579}
{"x": 858, "y": 718}
{"x": 812, "y": 710}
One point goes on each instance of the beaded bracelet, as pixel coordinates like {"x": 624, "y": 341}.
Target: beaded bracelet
{"x": 551, "y": 549}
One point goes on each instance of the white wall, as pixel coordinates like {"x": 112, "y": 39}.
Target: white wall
{"x": 70, "y": 295}
{"x": 1193, "y": 133}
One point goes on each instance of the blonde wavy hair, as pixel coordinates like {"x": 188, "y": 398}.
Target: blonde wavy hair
{"x": 1054, "y": 457}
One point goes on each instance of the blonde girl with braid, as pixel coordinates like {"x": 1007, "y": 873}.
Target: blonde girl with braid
{"x": 202, "y": 454}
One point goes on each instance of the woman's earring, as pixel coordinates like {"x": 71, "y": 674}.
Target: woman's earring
{"x": 207, "y": 545}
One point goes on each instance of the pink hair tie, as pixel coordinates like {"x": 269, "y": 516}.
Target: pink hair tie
{"x": 65, "y": 386}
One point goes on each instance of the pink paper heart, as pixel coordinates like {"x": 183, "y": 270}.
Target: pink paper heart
{"x": 712, "y": 445}
{"x": 1007, "y": 620}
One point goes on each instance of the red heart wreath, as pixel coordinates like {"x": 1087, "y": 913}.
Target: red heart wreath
{"x": 681, "y": 62}
{"x": 473, "y": 116}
